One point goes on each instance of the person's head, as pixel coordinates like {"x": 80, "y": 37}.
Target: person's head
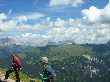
{"x": 13, "y": 56}
{"x": 44, "y": 62}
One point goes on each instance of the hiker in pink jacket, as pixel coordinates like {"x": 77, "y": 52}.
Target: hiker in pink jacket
{"x": 15, "y": 67}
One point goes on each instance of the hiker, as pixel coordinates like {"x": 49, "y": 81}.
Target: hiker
{"x": 15, "y": 67}
{"x": 48, "y": 74}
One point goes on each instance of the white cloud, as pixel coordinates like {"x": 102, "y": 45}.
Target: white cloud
{"x": 22, "y": 18}
{"x": 5, "y": 24}
{"x": 59, "y": 22}
{"x": 29, "y": 39}
{"x": 30, "y": 16}
{"x": 95, "y": 15}
{"x": 92, "y": 14}
{"x": 23, "y": 27}
{"x": 73, "y": 3}
{"x": 18, "y": 23}
{"x": 2, "y": 16}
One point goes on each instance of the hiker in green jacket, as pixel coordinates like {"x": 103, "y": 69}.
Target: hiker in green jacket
{"x": 48, "y": 74}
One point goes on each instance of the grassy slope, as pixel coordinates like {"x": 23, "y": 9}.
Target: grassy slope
{"x": 65, "y": 51}
{"x": 24, "y": 77}
{"x": 31, "y": 55}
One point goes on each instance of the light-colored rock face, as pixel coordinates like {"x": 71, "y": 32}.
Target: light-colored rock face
{"x": 8, "y": 80}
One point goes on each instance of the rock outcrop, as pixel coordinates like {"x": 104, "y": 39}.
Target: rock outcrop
{"x": 8, "y": 80}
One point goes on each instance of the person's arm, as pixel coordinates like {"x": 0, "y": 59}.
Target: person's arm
{"x": 52, "y": 75}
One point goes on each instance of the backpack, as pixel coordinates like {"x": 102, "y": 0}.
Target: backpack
{"x": 16, "y": 62}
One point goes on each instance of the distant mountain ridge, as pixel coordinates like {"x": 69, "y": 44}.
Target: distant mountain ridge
{"x": 72, "y": 62}
{"x": 98, "y": 49}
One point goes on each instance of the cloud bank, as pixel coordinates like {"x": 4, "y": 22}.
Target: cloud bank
{"x": 92, "y": 28}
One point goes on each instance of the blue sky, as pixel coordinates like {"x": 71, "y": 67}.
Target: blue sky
{"x": 39, "y": 22}
{"x": 42, "y": 6}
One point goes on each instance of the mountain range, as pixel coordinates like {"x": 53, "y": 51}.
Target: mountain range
{"x": 70, "y": 61}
